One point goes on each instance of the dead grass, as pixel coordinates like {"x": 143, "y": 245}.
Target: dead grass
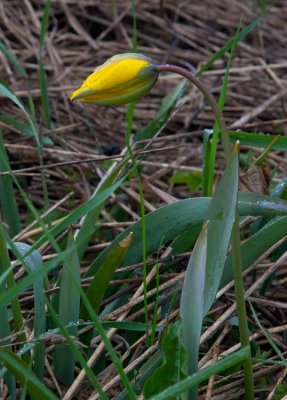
{"x": 82, "y": 35}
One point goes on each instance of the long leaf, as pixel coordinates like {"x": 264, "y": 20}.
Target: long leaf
{"x": 34, "y": 262}
{"x": 192, "y": 303}
{"x": 168, "y": 222}
{"x": 69, "y": 306}
{"x": 36, "y": 390}
{"x": 221, "y": 215}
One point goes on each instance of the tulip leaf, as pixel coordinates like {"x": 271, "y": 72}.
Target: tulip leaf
{"x": 168, "y": 222}
{"x": 173, "y": 368}
{"x": 35, "y": 389}
{"x": 192, "y": 302}
{"x": 221, "y": 215}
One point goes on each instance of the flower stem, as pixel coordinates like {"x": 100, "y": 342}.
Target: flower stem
{"x": 235, "y": 236}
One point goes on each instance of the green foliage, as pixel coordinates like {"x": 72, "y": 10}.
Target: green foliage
{"x": 174, "y": 364}
{"x": 28, "y": 380}
{"x": 193, "y": 180}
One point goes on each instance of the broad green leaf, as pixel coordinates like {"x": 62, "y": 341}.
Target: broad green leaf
{"x": 173, "y": 368}
{"x": 168, "y": 222}
{"x": 192, "y": 302}
{"x": 35, "y": 389}
{"x": 69, "y": 306}
{"x": 224, "y": 364}
{"x": 221, "y": 215}
{"x": 34, "y": 262}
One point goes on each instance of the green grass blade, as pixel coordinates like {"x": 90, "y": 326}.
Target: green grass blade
{"x": 34, "y": 261}
{"x": 12, "y": 60}
{"x": 192, "y": 303}
{"x": 8, "y": 202}
{"x": 201, "y": 376}
{"x": 248, "y": 29}
{"x": 100, "y": 282}
{"x": 258, "y": 140}
{"x": 208, "y": 174}
{"x": 35, "y": 389}
{"x": 41, "y": 66}
{"x": 256, "y": 245}
{"x": 83, "y": 236}
{"x": 69, "y": 306}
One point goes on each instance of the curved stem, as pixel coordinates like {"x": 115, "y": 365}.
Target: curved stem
{"x": 208, "y": 96}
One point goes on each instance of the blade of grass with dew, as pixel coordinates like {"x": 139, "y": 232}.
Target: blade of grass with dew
{"x": 35, "y": 388}
{"x": 221, "y": 215}
{"x": 101, "y": 280}
{"x": 42, "y": 72}
{"x": 227, "y": 362}
{"x": 8, "y": 202}
{"x": 174, "y": 364}
{"x": 34, "y": 261}
{"x": 166, "y": 223}
{"x": 208, "y": 171}
{"x": 192, "y": 303}
{"x": 69, "y": 307}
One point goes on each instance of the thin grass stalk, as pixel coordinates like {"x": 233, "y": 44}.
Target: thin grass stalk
{"x": 235, "y": 238}
{"x": 10, "y": 281}
{"x": 143, "y": 221}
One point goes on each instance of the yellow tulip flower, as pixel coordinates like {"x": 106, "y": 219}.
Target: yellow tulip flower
{"x": 120, "y": 80}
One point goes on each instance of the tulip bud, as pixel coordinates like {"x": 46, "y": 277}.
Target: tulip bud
{"x": 121, "y": 79}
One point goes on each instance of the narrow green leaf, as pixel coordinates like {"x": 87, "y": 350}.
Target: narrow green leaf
{"x": 35, "y": 389}
{"x": 8, "y": 202}
{"x": 84, "y": 234}
{"x": 192, "y": 303}
{"x": 258, "y": 140}
{"x": 100, "y": 282}
{"x": 256, "y": 245}
{"x": 201, "y": 376}
{"x": 163, "y": 114}
{"x": 223, "y": 92}
{"x": 69, "y": 306}
{"x": 12, "y": 60}
{"x": 34, "y": 261}
{"x": 173, "y": 368}
{"x": 221, "y": 215}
